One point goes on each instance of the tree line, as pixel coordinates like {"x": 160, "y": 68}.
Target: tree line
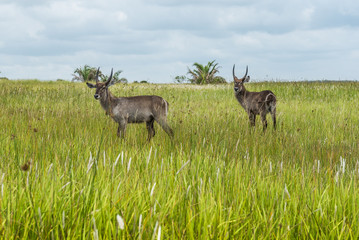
{"x": 199, "y": 74}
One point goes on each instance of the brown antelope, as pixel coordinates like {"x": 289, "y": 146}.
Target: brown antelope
{"x": 255, "y": 103}
{"x": 137, "y": 109}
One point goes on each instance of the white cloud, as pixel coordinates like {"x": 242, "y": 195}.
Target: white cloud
{"x": 15, "y": 25}
{"x": 156, "y": 40}
{"x": 307, "y": 14}
{"x": 121, "y": 16}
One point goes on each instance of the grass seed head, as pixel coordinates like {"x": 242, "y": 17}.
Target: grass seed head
{"x": 120, "y": 222}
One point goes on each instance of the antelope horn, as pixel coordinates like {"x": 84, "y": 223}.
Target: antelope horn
{"x": 245, "y": 75}
{"x": 110, "y": 77}
{"x": 96, "y": 78}
{"x": 234, "y": 76}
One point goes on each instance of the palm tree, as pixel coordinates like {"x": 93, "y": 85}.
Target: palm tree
{"x": 85, "y": 74}
{"x": 205, "y": 74}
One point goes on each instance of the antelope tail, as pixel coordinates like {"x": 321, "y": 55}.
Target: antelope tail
{"x": 166, "y": 107}
{"x": 270, "y": 94}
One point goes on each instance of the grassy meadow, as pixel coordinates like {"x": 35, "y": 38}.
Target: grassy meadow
{"x": 64, "y": 174}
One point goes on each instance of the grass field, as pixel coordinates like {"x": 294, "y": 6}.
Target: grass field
{"x": 217, "y": 179}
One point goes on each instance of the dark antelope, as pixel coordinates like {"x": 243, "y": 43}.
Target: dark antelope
{"x": 255, "y": 103}
{"x": 137, "y": 109}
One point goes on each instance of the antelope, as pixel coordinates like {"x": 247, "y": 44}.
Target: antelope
{"x": 137, "y": 109}
{"x": 255, "y": 103}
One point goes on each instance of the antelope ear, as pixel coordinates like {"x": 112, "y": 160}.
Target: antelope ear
{"x": 90, "y": 85}
{"x": 112, "y": 82}
{"x": 247, "y": 79}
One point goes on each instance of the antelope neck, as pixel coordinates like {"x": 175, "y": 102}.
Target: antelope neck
{"x": 106, "y": 101}
{"x": 241, "y": 97}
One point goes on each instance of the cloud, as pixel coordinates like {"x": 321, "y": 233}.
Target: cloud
{"x": 157, "y": 39}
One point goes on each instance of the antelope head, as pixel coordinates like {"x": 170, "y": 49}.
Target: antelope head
{"x": 101, "y": 87}
{"x": 238, "y": 83}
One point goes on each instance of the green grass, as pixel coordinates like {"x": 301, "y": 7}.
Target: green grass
{"x": 217, "y": 179}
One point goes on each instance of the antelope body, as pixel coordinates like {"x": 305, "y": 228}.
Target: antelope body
{"x": 255, "y": 103}
{"x": 137, "y": 109}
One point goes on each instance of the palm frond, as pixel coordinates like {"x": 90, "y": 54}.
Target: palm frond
{"x": 204, "y": 73}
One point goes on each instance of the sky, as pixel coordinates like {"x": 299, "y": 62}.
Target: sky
{"x": 157, "y": 40}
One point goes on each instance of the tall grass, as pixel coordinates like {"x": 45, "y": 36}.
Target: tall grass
{"x": 217, "y": 179}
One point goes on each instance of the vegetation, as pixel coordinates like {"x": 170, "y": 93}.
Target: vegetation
{"x": 180, "y": 79}
{"x": 142, "y": 81}
{"x": 3, "y": 78}
{"x": 115, "y": 76}
{"x": 87, "y": 73}
{"x": 65, "y": 175}
{"x": 84, "y": 74}
{"x": 205, "y": 74}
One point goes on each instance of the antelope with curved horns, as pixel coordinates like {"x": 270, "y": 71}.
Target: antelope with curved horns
{"x": 255, "y": 103}
{"x": 137, "y": 109}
